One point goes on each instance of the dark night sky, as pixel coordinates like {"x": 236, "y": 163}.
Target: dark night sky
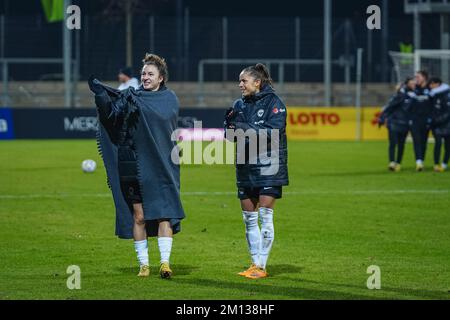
{"x": 310, "y": 8}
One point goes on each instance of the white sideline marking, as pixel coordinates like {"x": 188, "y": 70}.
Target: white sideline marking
{"x": 227, "y": 193}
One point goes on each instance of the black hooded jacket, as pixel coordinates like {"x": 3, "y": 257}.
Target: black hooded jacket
{"x": 441, "y": 109}
{"x": 263, "y": 112}
{"x": 396, "y": 111}
{"x": 421, "y": 107}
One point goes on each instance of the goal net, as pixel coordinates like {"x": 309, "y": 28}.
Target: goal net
{"x": 436, "y": 62}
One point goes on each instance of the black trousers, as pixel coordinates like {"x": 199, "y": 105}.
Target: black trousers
{"x": 128, "y": 174}
{"x": 438, "y": 146}
{"x": 397, "y": 141}
{"x": 420, "y": 132}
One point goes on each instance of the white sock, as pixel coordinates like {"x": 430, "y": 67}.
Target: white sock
{"x": 165, "y": 247}
{"x": 141, "y": 248}
{"x": 419, "y": 162}
{"x": 267, "y": 235}
{"x": 444, "y": 166}
{"x": 252, "y": 234}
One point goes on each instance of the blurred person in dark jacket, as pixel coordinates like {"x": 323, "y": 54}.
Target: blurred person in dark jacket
{"x": 440, "y": 94}
{"x": 395, "y": 116}
{"x": 420, "y": 117}
{"x": 126, "y": 79}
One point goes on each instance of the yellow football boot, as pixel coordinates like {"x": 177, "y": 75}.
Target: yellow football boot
{"x": 258, "y": 273}
{"x": 144, "y": 271}
{"x": 248, "y": 271}
{"x": 164, "y": 270}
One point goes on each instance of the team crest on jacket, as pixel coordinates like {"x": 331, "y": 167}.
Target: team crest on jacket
{"x": 275, "y": 110}
{"x": 260, "y": 112}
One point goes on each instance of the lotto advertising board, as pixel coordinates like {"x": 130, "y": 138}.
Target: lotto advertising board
{"x": 336, "y": 124}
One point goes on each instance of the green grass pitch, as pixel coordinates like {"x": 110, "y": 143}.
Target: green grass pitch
{"x": 342, "y": 212}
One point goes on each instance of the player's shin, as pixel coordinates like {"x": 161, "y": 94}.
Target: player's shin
{"x": 253, "y": 234}
{"x": 165, "y": 248}
{"x": 267, "y": 235}
{"x": 141, "y": 248}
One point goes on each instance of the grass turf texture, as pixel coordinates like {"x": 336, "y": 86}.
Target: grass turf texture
{"x": 342, "y": 213}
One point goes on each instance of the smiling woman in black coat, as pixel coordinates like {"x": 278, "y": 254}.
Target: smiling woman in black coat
{"x": 260, "y": 174}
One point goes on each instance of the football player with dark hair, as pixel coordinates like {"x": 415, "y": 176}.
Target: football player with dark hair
{"x": 395, "y": 115}
{"x": 420, "y": 118}
{"x": 261, "y": 112}
{"x": 440, "y": 93}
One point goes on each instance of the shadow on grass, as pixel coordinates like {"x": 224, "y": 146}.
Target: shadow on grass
{"x": 178, "y": 269}
{"x": 255, "y": 287}
{"x": 422, "y": 293}
{"x": 277, "y": 269}
{"x": 258, "y": 287}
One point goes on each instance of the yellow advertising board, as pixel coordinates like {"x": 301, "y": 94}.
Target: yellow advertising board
{"x": 369, "y": 125}
{"x": 338, "y": 123}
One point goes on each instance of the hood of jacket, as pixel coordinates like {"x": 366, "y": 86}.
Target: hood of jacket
{"x": 264, "y": 92}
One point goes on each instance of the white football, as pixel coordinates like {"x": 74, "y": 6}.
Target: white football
{"x": 88, "y": 165}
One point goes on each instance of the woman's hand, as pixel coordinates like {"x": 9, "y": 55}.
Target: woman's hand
{"x": 94, "y": 85}
{"x": 381, "y": 120}
{"x": 229, "y": 115}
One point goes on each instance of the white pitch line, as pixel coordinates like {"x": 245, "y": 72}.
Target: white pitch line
{"x": 319, "y": 192}
{"x": 228, "y": 193}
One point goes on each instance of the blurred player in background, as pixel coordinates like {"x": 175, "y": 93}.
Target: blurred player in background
{"x": 396, "y": 114}
{"x": 136, "y": 146}
{"x": 126, "y": 79}
{"x": 420, "y": 118}
{"x": 440, "y": 93}
{"x": 259, "y": 109}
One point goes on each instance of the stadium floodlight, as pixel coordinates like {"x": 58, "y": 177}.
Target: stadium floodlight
{"x": 436, "y": 62}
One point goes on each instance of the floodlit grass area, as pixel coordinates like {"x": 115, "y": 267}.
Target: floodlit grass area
{"x": 343, "y": 212}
